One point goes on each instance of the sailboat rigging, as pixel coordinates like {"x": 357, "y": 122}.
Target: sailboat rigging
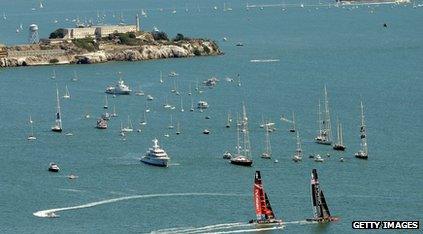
{"x": 263, "y": 209}
{"x": 31, "y": 136}
{"x": 321, "y": 209}
{"x": 58, "y": 122}
{"x": 363, "y": 152}
{"x": 325, "y": 132}
{"x": 339, "y": 145}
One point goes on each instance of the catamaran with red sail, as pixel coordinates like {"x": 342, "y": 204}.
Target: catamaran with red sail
{"x": 321, "y": 209}
{"x": 264, "y": 212}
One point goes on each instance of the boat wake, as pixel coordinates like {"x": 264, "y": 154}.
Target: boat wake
{"x": 264, "y": 60}
{"x": 239, "y": 227}
{"x": 51, "y": 212}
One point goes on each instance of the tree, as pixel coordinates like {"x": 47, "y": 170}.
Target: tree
{"x": 58, "y": 33}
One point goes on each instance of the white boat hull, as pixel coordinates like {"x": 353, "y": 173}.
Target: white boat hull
{"x": 155, "y": 161}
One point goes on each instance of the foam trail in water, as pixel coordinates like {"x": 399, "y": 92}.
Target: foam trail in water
{"x": 251, "y": 230}
{"x": 202, "y": 229}
{"x": 47, "y": 213}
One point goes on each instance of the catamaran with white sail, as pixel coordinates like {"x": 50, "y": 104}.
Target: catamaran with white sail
{"x": 363, "y": 152}
{"x": 58, "y": 122}
{"x": 320, "y": 207}
{"x": 264, "y": 213}
{"x": 325, "y": 132}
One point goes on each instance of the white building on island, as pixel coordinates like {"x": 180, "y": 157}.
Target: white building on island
{"x": 100, "y": 31}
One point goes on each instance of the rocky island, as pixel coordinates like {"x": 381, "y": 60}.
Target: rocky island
{"x": 98, "y": 44}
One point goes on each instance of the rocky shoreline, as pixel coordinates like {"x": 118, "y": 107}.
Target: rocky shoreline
{"x": 145, "y": 47}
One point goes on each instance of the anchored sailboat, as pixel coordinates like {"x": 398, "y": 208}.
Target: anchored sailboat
{"x": 321, "y": 209}
{"x": 128, "y": 128}
{"x": 31, "y": 136}
{"x": 298, "y": 152}
{"x": 243, "y": 157}
{"x": 106, "y": 102}
{"x": 58, "y": 123}
{"x": 339, "y": 145}
{"x": 267, "y": 150}
{"x": 264, "y": 212}
{"x": 67, "y": 94}
{"x": 363, "y": 152}
{"x": 293, "y": 128}
{"x": 325, "y": 132}
{"x": 229, "y": 120}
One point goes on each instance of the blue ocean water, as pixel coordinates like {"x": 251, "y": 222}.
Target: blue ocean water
{"x": 346, "y": 49}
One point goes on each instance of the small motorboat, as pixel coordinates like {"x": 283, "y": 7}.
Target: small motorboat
{"x": 318, "y": 158}
{"x": 341, "y": 159}
{"x": 227, "y": 155}
{"x": 276, "y": 161}
{"x": 53, "y": 167}
{"x": 239, "y": 44}
{"x": 206, "y": 131}
{"x": 52, "y": 215}
{"x": 72, "y": 176}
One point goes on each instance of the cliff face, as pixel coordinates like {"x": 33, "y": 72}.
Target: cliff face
{"x": 70, "y": 53}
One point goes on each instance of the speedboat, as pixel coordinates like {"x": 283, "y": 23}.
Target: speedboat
{"x": 53, "y": 167}
{"x": 72, "y": 176}
{"x": 156, "y": 156}
{"x": 119, "y": 88}
{"x": 202, "y": 105}
{"x": 206, "y": 131}
{"x": 52, "y": 215}
{"x": 101, "y": 123}
{"x": 318, "y": 158}
{"x": 241, "y": 161}
{"x": 150, "y": 98}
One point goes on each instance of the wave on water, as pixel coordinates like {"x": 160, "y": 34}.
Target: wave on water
{"x": 264, "y": 60}
{"x": 48, "y": 213}
{"x": 71, "y": 190}
{"x": 239, "y": 227}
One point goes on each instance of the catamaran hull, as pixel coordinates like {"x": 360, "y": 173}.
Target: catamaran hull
{"x": 155, "y": 162}
{"x": 323, "y": 220}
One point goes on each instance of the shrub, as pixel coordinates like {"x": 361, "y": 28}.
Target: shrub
{"x": 54, "y": 60}
{"x": 197, "y": 52}
{"x": 127, "y": 39}
{"x": 206, "y": 49}
{"x": 86, "y": 43}
{"x": 58, "y": 33}
{"x": 162, "y": 36}
{"x": 180, "y": 37}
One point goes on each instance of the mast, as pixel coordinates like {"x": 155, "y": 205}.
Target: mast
{"x": 363, "y": 135}
{"x": 58, "y": 113}
{"x": 106, "y": 102}
{"x": 299, "y": 150}
{"x": 327, "y": 125}
{"x": 267, "y": 141}
{"x": 341, "y": 134}
{"x": 293, "y": 122}
{"x": 161, "y": 77}
{"x": 238, "y": 146}
{"x": 32, "y": 126}
{"x": 319, "y": 118}
{"x": 182, "y": 106}
{"x": 262, "y": 205}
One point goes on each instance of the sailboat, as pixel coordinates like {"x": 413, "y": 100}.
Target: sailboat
{"x": 178, "y": 129}
{"x": 298, "y": 152}
{"x": 41, "y": 5}
{"x": 321, "y": 209}
{"x": 144, "y": 121}
{"x": 75, "y": 77}
{"x": 114, "y": 114}
{"x": 53, "y": 76}
{"x": 182, "y": 106}
{"x": 264, "y": 213}
{"x": 31, "y": 136}
{"x": 267, "y": 150}
{"x": 339, "y": 145}
{"x": 243, "y": 157}
{"x": 170, "y": 126}
{"x": 228, "y": 120}
{"x": 139, "y": 92}
{"x": 192, "y": 105}
{"x": 166, "y": 105}
{"x": 128, "y": 128}
{"x": 363, "y": 152}
{"x": 293, "y": 128}
{"x": 67, "y": 94}
{"x": 189, "y": 92}
{"x": 106, "y": 103}
{"x": 147, "y": 109}
{"x": 325, "y": 132}
{"x": 161, "y": 77}
{"x": 58, "y": 123}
